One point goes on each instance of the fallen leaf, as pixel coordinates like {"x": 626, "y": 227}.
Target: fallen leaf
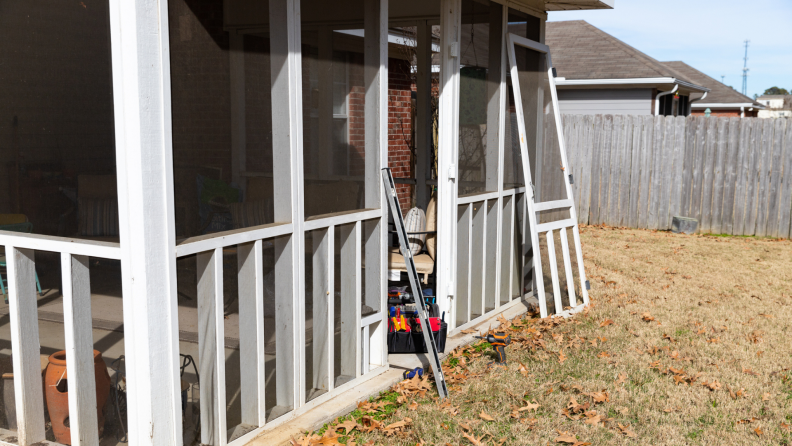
{"x": 626, "y": 431}
{"x": 348, "y": 426}
{"x": 561, "y": 357}
{"x": 758, "y": 432}
{"x": 766, "y": 397}
{"x": 472, "y": 439}
{"x": 647, "y": 317}
{"x": 565, "y": 437}
{"x": 622, "y": 378}
{"x": 413, "y": 405}
{"x": 606, "y": 322}
{"x": 485, "y": 417}
{"x": 523, "y": 369}
{"x": 593, "y": 420}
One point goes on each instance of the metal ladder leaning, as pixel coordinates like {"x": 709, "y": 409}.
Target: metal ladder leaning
{"x": 434, "y": 357}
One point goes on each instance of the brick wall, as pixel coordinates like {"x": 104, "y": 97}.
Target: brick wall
{"x": 735, "y": 113}
{"x": 400, "y": 87}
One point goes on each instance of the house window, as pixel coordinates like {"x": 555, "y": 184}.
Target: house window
{"x": 340, "y": 114}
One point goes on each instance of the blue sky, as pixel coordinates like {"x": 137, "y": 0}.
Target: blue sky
{"x": 706, "y": 34}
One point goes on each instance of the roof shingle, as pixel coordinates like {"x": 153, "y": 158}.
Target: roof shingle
{"x": 582, "y": 51}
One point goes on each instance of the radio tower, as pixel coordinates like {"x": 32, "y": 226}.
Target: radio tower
{"x": 745, "y": 70}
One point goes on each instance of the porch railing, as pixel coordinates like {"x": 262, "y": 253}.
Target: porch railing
{"x": 25, "y": 344}
{"x": 490, "y": 271}
{"x": 356, "y": 333}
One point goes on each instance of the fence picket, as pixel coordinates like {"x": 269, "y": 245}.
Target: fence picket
{"x": 607, "y": 137}
{"x": 710, "y": 148}
{"x": 626, "y": 171}
{"x": 687, "y": 170}
{"x": 612, "y": 217}
{"x": 656, "y": 183}
{"x": 635, "y": 170}
{"x": 775, "y": 169}
{"x": 764, "y": 178}
{"x": 730, "y": 175}
{"x": 666, "y": 173}
{"x": 677, "y": 185}
{"x": 741, "y": 188}
{"x": 718, "y": 176}
{"x": 786, "y": 186}
{"x": 751, "y": 199}
{"x": 698, "y": 168}
{"x": 646, "y": 171}
{"x": 596, "y": 175}
{"x": 585, "y": 174}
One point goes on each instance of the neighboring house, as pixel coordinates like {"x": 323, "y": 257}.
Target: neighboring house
{"x": 777, "y": 106}
{"x": 721, "y": 100}
{"x": 599, "y": 73}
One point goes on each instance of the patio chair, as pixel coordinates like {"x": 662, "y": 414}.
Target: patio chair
{"x": 424, "y": 263}
{"x": 14, "y": 223}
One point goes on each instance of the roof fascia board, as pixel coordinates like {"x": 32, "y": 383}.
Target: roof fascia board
{"x": 523, "y": 8}
{"x": 633, "y": 81}
{"x": 728, "y": 105}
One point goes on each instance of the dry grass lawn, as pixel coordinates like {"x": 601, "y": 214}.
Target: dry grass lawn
{"x": 698, "y": 352}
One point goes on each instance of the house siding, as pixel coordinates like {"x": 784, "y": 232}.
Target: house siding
{"x": 630, "y": 101}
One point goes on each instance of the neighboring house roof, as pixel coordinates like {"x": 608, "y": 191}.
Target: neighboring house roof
{"x": 582, "y": 52}
{"x": 720, "y": 95}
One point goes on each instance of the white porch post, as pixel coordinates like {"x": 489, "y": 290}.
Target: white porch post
{"x": 141, "y": 93}
{"x": 450, "y": 21}
{"x": 287, "y": 146}
{"x": 375, "y": 73}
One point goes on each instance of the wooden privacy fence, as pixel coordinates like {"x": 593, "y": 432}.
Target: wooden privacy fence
{"x": 733, "y": 175}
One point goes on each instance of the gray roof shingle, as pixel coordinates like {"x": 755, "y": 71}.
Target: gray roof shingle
{"x": 719, "y": 92}
{"x": 582, "y": 51}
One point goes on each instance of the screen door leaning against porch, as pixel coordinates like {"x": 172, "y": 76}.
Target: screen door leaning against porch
{"x": 554, "y": 235}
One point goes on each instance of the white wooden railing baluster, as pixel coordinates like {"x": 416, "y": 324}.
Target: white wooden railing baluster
{"x": 568, "y": 268}
{"x": 350, "y": 302}
{"x": 251, "y": 332}
{"x": 211, "y": 347}
{"x": 322, "y": 302}
{"x": 25, "y": 346}
{"x": 551, "y": 254}
{"x": 77, "y": 324}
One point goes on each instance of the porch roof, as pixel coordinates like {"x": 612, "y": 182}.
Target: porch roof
{"x": 567, "y": 5}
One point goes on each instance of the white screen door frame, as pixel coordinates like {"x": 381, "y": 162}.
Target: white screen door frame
{"x": 534, "y": 208}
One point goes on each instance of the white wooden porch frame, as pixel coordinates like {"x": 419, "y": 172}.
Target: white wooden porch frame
{"x": 533, "y": 208}
{"x": 447, "y": 156}
{"x": 139, "y": 35}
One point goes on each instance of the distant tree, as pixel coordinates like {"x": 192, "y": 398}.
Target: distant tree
{"x": 776, "y": 91}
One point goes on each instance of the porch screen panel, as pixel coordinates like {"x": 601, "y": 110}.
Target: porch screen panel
{"x": 528, "y": 26}
{"x": 222, "y": 122}
{"x": 477, "y": 85}
{"x": 333, "y": 120}
{"x": 544, "y": 151}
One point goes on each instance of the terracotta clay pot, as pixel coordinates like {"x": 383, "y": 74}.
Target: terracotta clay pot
{"x": 56, "y": 392}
